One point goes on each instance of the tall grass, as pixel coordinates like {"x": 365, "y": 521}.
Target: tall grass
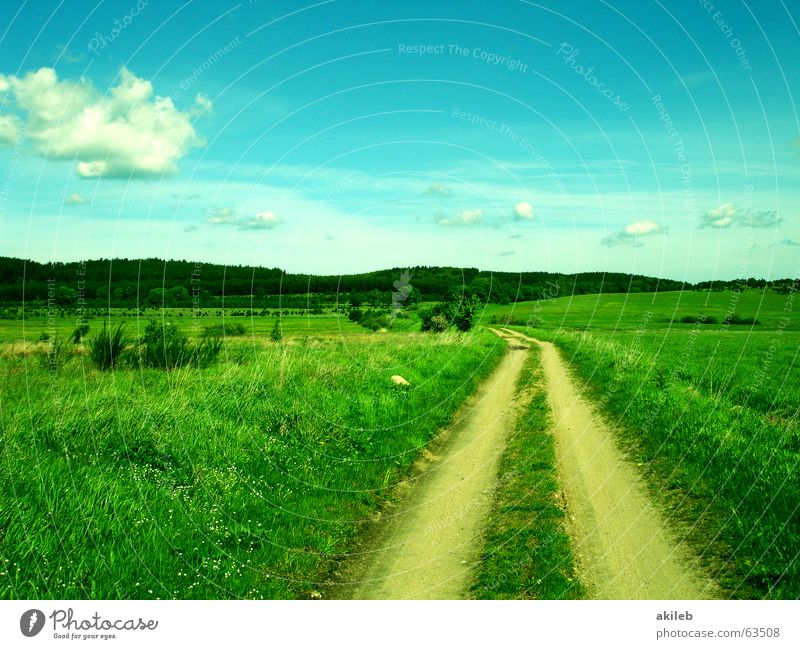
{"x": 107, "y": 347}
{"x": 240, "y": 480}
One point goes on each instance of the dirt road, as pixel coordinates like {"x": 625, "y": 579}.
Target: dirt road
{"x": 427, "y": 547}
{"x": 621, "y": 543}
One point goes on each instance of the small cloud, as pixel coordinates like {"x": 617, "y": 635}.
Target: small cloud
{"x": 524, "y": 211}
{"x": 329, "y": 237}
{"x": 222, "y": 216}
{"x": 515, "y": 236}
{"x": 631, "y": 233}
{"x": 507, "y": 253}
{"x": 788, "y": 242}
{"x": 728, "y": 214}
{"x": 437, "y": 189}
{"x": 261, "y": 221}
{"x": 202, "y": 105}
{"x": 63, "y": 53}
{"x": 765, "y": 219}
{"x": 228, "y": 216}
{"x": 720, "y": 217}
{"x": 465, "y": 217}
{"x": 75, "y": 199}
{"x": 190, "y": 228}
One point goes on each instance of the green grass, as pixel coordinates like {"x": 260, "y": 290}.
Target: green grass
{"x": 712, "y": 417}
{"x": 527, "y": 552}
{"x": 244, "y": 480}
{"x": 614, "y": 311}
{"x": 18, "y": 330}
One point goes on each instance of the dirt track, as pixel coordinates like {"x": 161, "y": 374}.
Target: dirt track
{"x": 429, "y": 544}
{"x": 620, "y": 540}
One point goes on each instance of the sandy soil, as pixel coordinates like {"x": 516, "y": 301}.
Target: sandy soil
{"x": 621, "y": 542}
{"x": 428, "y": 545}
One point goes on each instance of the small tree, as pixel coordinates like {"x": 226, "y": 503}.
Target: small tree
{"x": 465, "y": 312}
{"x": 277, "y": 331}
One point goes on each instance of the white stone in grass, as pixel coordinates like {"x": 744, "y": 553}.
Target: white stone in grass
{"x": 399, "y": 380}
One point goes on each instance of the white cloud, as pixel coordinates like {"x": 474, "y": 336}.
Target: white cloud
{"x": 524, "y": 211}
{"x": 8, "y": 130}
{"x": 720, "y": 217}
{"x": 728, "y": 214}
{"x": 75, "y": 199}
{"x": 259, "y": 221}
{"x": 438, "y": 189}
{"x": 222, "y": 216}
{"x": 127, "y": 132}
{"x": 465, "y": 217}
{"x": 632, "y": 232}
{"x": 190, "y": 228}
{"x": 202, "y": 105}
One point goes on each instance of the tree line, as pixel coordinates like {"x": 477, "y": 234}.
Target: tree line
{"x": 130, "y": 283}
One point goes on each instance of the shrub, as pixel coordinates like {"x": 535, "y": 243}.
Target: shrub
{"x": 44, "y": 337}
{"x": 166, "y": 346}
{"x": 106, "y": 348}
{"x": 277, "y": 331}
{"x": 437, "y": 324}
{"x": 736, "y": 319}
{"x": 79, "y": 334}
{"x": 355, "y": 315}
{"x": 222, "y": 329}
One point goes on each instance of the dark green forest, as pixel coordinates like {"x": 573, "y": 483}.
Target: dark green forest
{"x": 129, "y": 283}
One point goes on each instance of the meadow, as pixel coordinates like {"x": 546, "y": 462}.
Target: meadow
{"x": 253, "y": 477}
{"x": 246, "y": 479}
{"x": 709, "y": 411}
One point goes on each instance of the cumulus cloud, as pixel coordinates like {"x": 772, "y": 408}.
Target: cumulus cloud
{"x": 465, "y": 217}
{"x": 129, "y": 131}
{"x": 190, "y": 228}
{"x": 631, "y": 233}
{"x": 719, "y": 217}
{"x": 515, "y": 236}
{"x": 75, "y": 199}
{"x": 728, "y": 214}
{"x": 788, "y": 242}
{"x": 507, "y": 253}
{"x": 258, "y": 221}
{"x": 438, "y": 189}
{"x": 524, "y": 211}
{"x": 202, "y": 105}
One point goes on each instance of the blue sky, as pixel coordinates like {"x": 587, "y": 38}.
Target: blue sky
{"x": 343, "y": 136}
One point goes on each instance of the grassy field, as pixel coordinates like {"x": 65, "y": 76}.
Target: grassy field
{"x": 246, "y": 479}
{"x": 711, "y": 414}
{"x": 626, "y": 311}
{"x": 527, "y": 552}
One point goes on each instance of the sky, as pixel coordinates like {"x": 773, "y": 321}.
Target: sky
{"x": 339, "y": 136}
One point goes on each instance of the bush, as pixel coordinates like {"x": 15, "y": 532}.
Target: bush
{"x": 355, "y": 315}
{"x": 736, "y": 319}
{"x": 166, "y": 346}
{"x": 79, "y": 334}
{"x": 106, "y": 348}
{"x": 277, "y": 331}
{"x": 222, "y": 329}
{"x": 44, "y": 337}
{"x": 437, "y": 324}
